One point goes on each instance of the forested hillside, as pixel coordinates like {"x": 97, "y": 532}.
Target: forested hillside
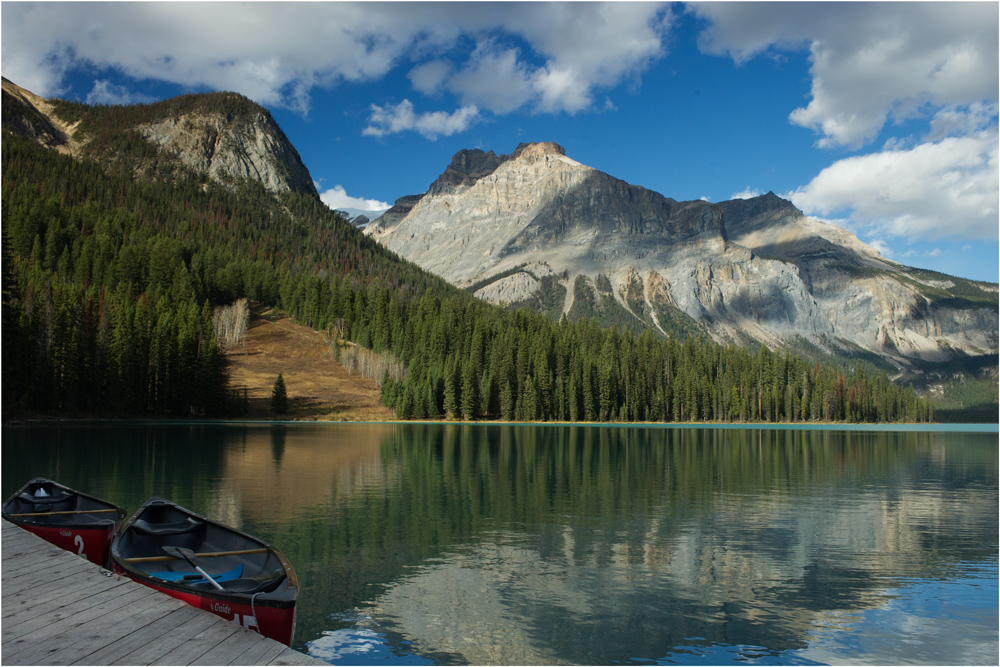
{"x": 113, "y": 264}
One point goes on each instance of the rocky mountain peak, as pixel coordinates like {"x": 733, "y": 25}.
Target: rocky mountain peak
{"x": 536, "y": 150}
{"x": 467, "y": 167}
{"x": 754, "y": 206}
{"x": 225, "y": 135}
{"x": 231, "y": 146}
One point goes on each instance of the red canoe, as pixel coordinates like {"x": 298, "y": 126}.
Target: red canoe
{"x": 255, "y": 585}
{"x": 67, "y": 518}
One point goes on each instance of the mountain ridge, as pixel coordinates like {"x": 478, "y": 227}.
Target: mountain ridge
{"x": 114, "y": 258}
{"x": 743, "y": 270}
{"x": 223, "y": 135}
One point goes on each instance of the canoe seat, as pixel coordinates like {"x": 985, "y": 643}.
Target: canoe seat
{"x": 264, "y": 583}
{"x": 182, "y": 527}
{"x": 55, "y": 498}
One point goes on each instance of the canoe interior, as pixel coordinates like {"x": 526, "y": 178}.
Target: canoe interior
{"x": 47, "y": 503}
{"x": 161, "y": 523}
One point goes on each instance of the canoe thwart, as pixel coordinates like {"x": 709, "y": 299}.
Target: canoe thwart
{"x": 214, "y": 554}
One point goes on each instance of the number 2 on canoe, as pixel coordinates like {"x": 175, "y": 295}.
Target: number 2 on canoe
{"x": 78, "y": 541}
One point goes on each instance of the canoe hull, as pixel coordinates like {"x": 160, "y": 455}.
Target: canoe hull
{"x": 67, "y": 518}
{"x": 274, "y": 622}
{"x": 260, "y": 597}
{"x": 94, "y": 543}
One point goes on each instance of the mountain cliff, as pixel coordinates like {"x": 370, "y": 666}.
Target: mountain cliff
{"x": 222, "y": 135}
{"x": 540, "y": 229}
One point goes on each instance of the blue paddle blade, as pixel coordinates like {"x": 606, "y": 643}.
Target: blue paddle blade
{"x": 196, "y": 578}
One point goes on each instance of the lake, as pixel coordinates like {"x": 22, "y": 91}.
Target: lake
{"x": 545, "y": 545}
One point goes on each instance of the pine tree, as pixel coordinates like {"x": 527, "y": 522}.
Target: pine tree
{"x": 279, "y": 397}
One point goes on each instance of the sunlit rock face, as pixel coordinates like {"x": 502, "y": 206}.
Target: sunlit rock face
{"x": 229, "y": 150}
{"x": 754, "y": 270}
{"x": 222, "y": 135}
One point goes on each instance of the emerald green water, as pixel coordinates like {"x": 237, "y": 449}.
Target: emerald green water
{"x": 466, "y": 544}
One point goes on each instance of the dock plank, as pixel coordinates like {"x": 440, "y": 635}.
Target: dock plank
{"x": 225, "y": 651}
{"x": 76, "y": 611}
{"x": 149, "y": 653}
{"x": 61, "y": 627}
{"x": 203, "y": 642}
{"x": 28, "y": 578}
{"x": 23, "y": 606}
{"x": 158, "y": 625}
{"x": 101, "y": 631}
{"x": 259, "y": 654}
{"x": 290, "y": 657}
{"x": 59, "y": 609}
{"x": 45, "y": 594}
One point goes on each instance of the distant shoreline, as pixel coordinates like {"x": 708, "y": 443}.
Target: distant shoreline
{"x": 981, "y": 427}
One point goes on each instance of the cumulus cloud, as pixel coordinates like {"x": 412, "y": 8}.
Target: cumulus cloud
{"x": 871, "y": 62}
{"x": 337, "y": 198}
{"x": 874, "y": 65}
{"x": 497, "y": 79}
{"x": 548, "y": 57}
{"x": 947, "y": 188}
{"x": 393, "y": 119}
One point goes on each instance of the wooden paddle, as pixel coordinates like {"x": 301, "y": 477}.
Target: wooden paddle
{"x": 64, "y": 512}
{"x": 153, "y": 559}
{"x": 188, "y": 555}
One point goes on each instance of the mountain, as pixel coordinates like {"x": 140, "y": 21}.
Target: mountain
{"x": 538, "y": 228}
{"x": 127, "y": 229}
{"x": 222, "y": 135}
{"x": 359, "y": 217}
{"x": 132, "y": 233}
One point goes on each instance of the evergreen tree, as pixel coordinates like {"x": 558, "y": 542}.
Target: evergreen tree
{"x": 279, "y": 398}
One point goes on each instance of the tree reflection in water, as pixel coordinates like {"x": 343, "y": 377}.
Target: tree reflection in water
{"x": 591, "y": 545}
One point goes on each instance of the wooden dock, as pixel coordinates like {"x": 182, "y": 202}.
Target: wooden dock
{"x": 59, "y": 609}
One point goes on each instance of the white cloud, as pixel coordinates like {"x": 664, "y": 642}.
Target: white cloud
{"x": 497, "y": 80}
{"x": 959, "y": 120}
{"x": 871, "y": 62}
{"x": 948, "y": 188}
{"x": 402, "y": 118}
{"x": 429, "y": 77}
{"x": 337, "y": 198}
{"x": 748, "y": 193}
{"x": 105, "y": 92}
{"x": 882, "y": 247}
{"x": 551, "y": 57}
{"x": 874, "y": 64}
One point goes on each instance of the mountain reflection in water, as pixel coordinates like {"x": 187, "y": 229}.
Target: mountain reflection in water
{"x": 587, "y": 545}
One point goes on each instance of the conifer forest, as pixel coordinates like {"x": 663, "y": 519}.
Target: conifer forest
{"x": 114, "y": 264}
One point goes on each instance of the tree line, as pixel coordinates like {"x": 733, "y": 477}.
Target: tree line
{"x": 111, "y": 279}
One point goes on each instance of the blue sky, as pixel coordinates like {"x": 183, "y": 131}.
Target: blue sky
{"x": 881, "y": 118}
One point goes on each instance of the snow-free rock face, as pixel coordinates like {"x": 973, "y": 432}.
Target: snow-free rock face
{"x": 30, "y": 116}
{"x": 223, "y": 135}
{"x": 230, "y": 150}
{"x": 754, "y": 269}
